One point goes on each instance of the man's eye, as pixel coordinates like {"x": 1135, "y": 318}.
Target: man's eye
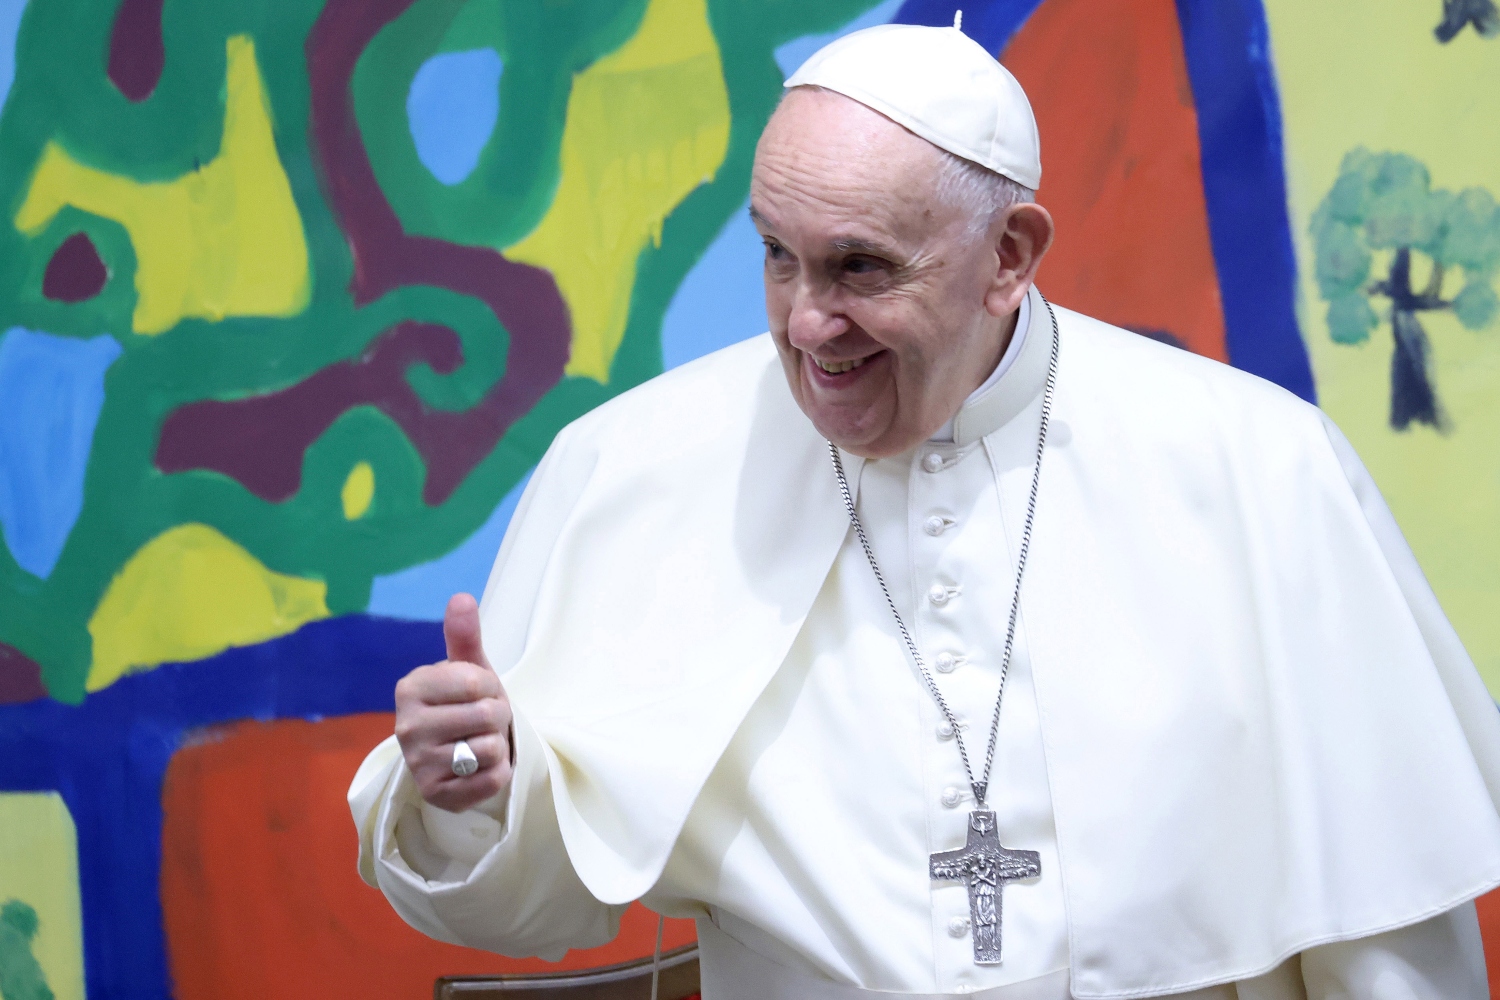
{"x": 774, "y": 251}
{"x": 861, "y": 265}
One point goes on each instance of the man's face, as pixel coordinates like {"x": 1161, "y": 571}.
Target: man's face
{"x": 875, "y": 290}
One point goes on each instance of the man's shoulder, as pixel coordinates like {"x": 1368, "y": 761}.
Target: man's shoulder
{"x": 707, "y": 402}
{"x": 1148, "y": 377}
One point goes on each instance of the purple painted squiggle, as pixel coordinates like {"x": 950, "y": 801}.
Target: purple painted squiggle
{"x": 259, "y": 441}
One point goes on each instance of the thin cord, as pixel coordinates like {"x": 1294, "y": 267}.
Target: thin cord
{"x": 661, "y": 923}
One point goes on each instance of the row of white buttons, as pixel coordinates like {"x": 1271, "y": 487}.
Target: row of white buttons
{"x": 945, "y": 662}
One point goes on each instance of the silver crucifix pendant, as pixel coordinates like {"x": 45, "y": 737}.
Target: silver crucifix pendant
{"x": 986, "y": 867}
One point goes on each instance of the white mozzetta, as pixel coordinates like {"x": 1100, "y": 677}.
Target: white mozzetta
{"x": 1239, "y": 728}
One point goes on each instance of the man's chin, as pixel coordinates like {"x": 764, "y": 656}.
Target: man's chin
{"x": 861, "y": 440}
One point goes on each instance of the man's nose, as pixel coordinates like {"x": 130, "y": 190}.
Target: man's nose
{"x": 814, "y": 319}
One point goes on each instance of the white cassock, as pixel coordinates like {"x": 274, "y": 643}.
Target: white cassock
{"x": 1251, "y": 752}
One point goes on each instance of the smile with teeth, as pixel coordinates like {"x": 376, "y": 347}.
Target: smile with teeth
{"x": 839, "y": 367}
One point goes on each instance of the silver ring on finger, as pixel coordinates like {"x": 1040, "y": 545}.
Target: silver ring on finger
{"x": 464, "y": 761}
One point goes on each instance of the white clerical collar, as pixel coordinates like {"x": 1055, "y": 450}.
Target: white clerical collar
{"x": 990, "y": 406}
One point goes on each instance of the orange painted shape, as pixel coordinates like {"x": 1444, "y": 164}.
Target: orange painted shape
{"x": 259, "y": 889}
{"x": 1120, "y": 167}
{"x": 1489, "y": 926}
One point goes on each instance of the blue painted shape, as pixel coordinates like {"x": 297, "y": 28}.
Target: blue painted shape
{"x": 10, "y": 24}
{"x": 451, "y": 109}
{"x": 108, "y": 757}
{"x": 722, "y": 300}
{"x": 52, "y": 389}
{"x": 990, "y": 24}
{"x": 794, "y": 53}
{"x": 421, "y": 592}
{"x": 1227, "y": 43}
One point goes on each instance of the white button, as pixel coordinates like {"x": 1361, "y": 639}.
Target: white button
{"x": 952, "y": 797}
{"x": 938, "y": 594}
{"x": 945, "y": 662}
{"x": 958, "y": 927}
{"x": 945, "y": 731}
{"x": 933, "y": 462}
{"x": 934, "y": 525}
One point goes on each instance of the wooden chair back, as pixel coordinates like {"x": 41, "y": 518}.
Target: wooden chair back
{"x": 625, "y": 981}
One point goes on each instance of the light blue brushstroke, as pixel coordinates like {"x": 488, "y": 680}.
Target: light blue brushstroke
{"x": 10, "y": 23}
{"x": 723, "y": 298}
{"x": 794, "y": 53}
{"x": 51, "y": 392}
{"x": 421, "y": 592}
{"x": 452, "y": 108}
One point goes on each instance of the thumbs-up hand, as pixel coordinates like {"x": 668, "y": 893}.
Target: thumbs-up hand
{"x": 458, "y": 699}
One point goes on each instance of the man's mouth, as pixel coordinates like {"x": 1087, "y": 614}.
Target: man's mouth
{"x": 839, "y": 367}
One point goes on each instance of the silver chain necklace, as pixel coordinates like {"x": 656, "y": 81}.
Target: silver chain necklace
{"x": 983, "y": 863}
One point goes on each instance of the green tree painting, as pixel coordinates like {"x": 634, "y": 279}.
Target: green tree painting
{"x": 20, "y": 976}
{"x": 1384, "y": 217}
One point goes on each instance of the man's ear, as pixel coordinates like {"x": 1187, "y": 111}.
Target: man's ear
{"x": 1022, "y": 235}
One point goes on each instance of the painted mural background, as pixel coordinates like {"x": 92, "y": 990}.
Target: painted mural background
{"x": 294, "y": 294}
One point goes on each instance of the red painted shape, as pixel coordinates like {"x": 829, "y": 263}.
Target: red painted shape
{"x": 136, "y": 52}
{"x": 1489, "y": 926}
{"x": 260, "y": 892}
{"x": 1120, "y": 167}
{"x": 75, "y": 273}
{"x": 20, "y": 677}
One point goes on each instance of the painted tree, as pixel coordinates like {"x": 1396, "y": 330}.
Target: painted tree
{"x": 1383, "y": 209}
{"x": 21, "y": 977}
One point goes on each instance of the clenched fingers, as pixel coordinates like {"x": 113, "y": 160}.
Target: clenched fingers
{"x": 440, "y": 704}
{"x": 446, "y": 790}
{"x": 451, "y": 682}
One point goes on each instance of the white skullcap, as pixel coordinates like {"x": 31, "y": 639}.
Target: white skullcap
{"x": 940, "y": 84}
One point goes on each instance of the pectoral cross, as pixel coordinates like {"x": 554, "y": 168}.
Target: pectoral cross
{"x": 986, "y": 867}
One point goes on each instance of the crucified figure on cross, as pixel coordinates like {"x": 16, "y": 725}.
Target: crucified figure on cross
{"x": 986, "y": 866}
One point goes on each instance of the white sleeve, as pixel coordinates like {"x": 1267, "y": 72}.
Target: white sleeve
{"x": 495, "y": 877}
{"x": 1438, "y": 959}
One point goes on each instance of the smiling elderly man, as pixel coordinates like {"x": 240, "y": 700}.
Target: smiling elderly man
{"x": 945, "y": 641}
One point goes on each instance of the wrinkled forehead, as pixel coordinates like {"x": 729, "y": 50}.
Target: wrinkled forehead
{"x": 822, "y": 151}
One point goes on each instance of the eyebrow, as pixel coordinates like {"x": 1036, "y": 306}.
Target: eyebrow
{"x": 848, "y": 244}
{"x": 845, "y": 244}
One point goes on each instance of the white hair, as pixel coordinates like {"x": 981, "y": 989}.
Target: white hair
{"x": 977, "y": 191}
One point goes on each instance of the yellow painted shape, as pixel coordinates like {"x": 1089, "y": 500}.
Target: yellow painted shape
{"x": 39, "y": 867}
{"x": 646, "y": 125}
{"x": 358, "y": 491}
{"x": 223, "y": 240}
{"x": 1334, "y": 69}
{"x": 190, "y": 593}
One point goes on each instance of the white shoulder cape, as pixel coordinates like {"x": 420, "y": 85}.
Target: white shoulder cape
{"x": 1261, "y": 732}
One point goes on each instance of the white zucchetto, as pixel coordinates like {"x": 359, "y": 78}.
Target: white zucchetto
{"x": 940, "y": 84}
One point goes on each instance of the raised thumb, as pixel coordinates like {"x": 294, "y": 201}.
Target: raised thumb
{"x": 461, "y": 630}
